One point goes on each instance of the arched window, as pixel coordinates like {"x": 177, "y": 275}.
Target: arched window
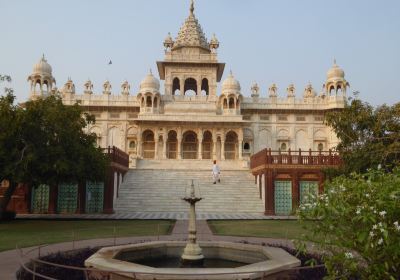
{"x": 283, "y": 147}
{"x": 148, "y": 144}
{"x": 207, "y": 145}
{"x": 190, "y": 87}
{"x": 155, "y": 102}
{"x": 332, "y": 88}
{"x": 143, "y": 101}
{"x": 231, "y": 103}
{"x": 176, "y": 87}
{"x": 225, "y": 104}
{"x": 320, "y": 147}
{"x": 339, "y": 90}
{"x": 132, "y": 145}
{"x": 246, "y": 146}
{"x": 172, "y": 145}
{"x": 148, "y": 101}
{"x": 189, "y": 145}
{"x": 231, "y": 145}
{"x": 204, "y": 87}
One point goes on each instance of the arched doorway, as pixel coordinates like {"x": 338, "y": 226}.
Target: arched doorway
{"x": 207, "y": 145}
{"x": 172, "y": 144}
{"x": 148, "y": 144}
{"x": 189, "y": 145}
{"x": 231, "y": 144}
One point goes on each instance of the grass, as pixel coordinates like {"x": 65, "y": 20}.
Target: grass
{"x": 26, "y": 233}
{"x": 284, "y": 229}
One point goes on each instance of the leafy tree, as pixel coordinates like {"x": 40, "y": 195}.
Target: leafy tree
{"x": 44, "y": 142}
{"x": 368, "y": 136}
{"x": 357, "y": 224}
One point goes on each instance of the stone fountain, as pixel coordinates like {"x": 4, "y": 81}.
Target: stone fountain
{"x": 170, "y": 260}
{"x": 192, "y": 254}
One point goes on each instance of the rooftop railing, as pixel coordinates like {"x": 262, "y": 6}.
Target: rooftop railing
{"x": 117, "y": 156}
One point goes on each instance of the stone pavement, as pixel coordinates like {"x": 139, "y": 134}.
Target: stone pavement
{"x": 10, "y": 260}
{"x": 157, "y": 216}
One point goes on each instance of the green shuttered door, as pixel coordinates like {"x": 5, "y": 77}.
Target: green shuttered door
{"x": 40, "y": 199}
{"x": 67, "y": 198}
{"x": 307, "y": 188}
{"x": 94, "y": 197}
{"x": 283, "y": 197}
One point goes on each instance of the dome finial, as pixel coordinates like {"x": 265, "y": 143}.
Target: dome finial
{"x": 334, "y": 61}
{"x": 191, "y": 6}
{"x": 151, "y": 72}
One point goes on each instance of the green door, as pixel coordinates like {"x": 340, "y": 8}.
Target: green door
{"x": 307, "y": 189}
{"x": 67, "y": 198}
{"x": 283, "y": 197}
{"x": 40, "y": 199}
{"x": 94, "y": 197}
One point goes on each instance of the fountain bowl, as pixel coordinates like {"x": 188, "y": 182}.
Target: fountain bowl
{"x": 151, "y": 260}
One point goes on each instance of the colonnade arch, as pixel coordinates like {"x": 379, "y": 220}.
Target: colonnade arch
{"x": 191, "y": 144}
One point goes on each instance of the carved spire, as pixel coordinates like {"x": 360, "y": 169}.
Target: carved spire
{"x": 191, "y": 7}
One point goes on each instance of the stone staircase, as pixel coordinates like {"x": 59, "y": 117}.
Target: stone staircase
{"x": 161, "y": 190}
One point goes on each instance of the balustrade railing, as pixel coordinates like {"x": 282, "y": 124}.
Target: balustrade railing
{"x": 117, "y": 156}
{"x": 320, "y": 158}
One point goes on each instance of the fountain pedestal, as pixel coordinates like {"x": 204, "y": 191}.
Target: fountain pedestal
{"x": 192, "y": 254}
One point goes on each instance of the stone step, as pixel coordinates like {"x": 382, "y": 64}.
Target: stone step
{"x": 161, "y": 190}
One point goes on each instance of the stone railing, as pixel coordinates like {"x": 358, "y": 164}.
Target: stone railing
{"x": 313, "y": 158}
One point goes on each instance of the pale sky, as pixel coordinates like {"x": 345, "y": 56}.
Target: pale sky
{"x": 267, "y": 41}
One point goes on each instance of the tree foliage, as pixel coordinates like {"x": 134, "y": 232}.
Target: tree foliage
{"x": 44, "y": 142}
{"x": 357, "y": 223}
{"x": 368, "y": 136}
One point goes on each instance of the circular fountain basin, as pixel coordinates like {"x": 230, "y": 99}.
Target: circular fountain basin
{"x": 161, "y": 260}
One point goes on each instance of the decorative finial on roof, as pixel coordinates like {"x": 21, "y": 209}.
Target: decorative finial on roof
{"x": 334, "y": 61}
{"x": 151, "y": 72}
{"x": 191, "y": 6}
{"x": 43, "y": 58}
{"x": 230, "y": 72}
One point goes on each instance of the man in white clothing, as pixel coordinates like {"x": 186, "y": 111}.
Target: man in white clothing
{"x": 216, "y": 172}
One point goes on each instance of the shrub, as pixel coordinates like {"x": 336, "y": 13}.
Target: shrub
{"x": 357, "y": 224}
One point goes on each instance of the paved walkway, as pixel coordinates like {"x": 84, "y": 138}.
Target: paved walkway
{"x": 157, "y": 216}
{"x": 10, "y": 260}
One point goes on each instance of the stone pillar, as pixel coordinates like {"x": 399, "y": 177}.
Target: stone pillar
{"x": 198, "y": 87}
{"x": 200, "y": 146}
{"x": 240, "y": 149}
{"x": 156, "y": 148}
{"x": 179, "y": 138}
{"x": 214, "y": 148}
{"x": 222, "y": 150}
{"x": 165, "y": 148}
{"x": 182, "y": 85}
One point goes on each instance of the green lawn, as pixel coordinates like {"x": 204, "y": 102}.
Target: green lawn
{"x": 285, "y": 229}
{"x": 27, "y": 233}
